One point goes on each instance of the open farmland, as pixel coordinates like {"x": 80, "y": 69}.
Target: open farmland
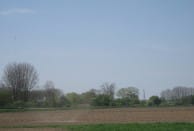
{"x": 95, "y": 116}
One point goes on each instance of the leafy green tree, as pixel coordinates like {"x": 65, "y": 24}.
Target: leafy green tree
{"x": 88, "y": 96}
{"x": 74, "y": 98}
{"x": 102, "y": 100}
{"x": 154, "y": 101}
{"x": 63, "y": 101}
{"x": 129, "y": 92}
{"x": 5, "y": 97}
{"x": 192, "y": 99}
{"x": 129, "y": 96}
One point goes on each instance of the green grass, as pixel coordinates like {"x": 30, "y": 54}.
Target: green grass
{"x": 118, "y": 127}
{"x": 135, "y": 127}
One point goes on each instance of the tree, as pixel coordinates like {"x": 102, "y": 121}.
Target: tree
{"x": 52, "y": 94}
{"x": 64, "y": 101}
{"x": 129, "y": 96}
{"x": 154, "y": 100}
{"x": 74, "y": 98}
{"x": 192, "y": 100}
{"x": 166, "y": 94}
{"x": 88, "y": 96}
{"x": 108, "y": 89}
{"x": 38, "y": 97}
{"x": 101, "y": 100}
{"x": 129, "y": 92}
{"x": 5, "y": 96}
{"x": 20, "y": 78}
{"x": 177, "y": 93}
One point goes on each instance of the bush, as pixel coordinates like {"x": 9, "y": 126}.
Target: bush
{"x": 143, "y": 103}
{"x": 102, "y": 100}
{"x": 19, "y": 104}
{"x": 63, "y": 102}
{"x": 154, "y": 101}
{"x": 192, "y": 100}
{"x": 5, "y": 98}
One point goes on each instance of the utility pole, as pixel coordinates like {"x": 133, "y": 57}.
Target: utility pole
{"x": 144, "y": 96}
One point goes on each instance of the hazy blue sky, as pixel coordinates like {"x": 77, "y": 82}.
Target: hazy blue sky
{"x": 80, "y": 44}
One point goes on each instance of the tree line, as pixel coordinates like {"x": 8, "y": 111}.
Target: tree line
{"x": 19, "y": 82}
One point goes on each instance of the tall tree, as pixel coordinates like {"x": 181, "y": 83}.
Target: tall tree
{"x": 88, "y": 96}
{"x": 109, "y": 90}
{"x": 74, "y": 98}
{"x": 52, "y": 94}
{"x": 20, "y": 78}
{"x": 129, "y": 92}
{"x": 128, "y": 95}
{"x": 154, "y": 100}
{"x": 177, "y": 93}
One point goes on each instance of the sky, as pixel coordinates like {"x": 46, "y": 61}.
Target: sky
{"x": 80, "y": 44}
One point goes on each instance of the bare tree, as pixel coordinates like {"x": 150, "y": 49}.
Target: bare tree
{"x": 20, "y": 78}
{"x": 166, "y": 94}
{"x": 108, "y": 89}
{"x": 52, "y": 94}
{"x": 177, "y": 93}
{"x": 2, "y": 85}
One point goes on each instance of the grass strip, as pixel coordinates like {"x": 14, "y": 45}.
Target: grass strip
{"x": 117, "y": 127}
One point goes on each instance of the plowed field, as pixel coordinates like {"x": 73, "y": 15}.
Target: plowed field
{"x": 117, "y": 115}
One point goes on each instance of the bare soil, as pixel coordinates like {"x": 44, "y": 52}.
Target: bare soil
{"x": 117, "y": 115}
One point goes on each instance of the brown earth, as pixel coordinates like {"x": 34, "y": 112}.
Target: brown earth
{"x": 117, "y": 115}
